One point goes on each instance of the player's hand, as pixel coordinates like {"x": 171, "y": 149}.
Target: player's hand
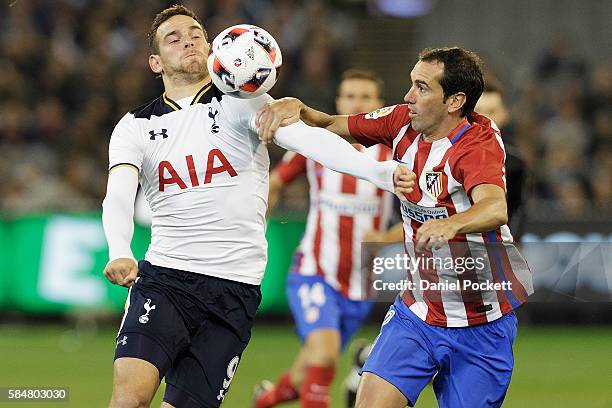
{"x": 121, "y": 271}
{"x": 275, "y": 114}
{"x": 434, "y": 234}
{"x": 403, "y": 181}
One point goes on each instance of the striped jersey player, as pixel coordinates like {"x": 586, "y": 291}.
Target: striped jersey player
{"x": 342, "y": 210}
{"x": 455, "y": 322}
{"x": 447, "y": 170}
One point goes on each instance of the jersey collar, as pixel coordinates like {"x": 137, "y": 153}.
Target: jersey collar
{"x": 199, "y": 97}
{"x": 461, "y": 128}
{"x": 175, "y": 106}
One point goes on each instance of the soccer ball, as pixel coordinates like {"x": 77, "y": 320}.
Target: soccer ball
{"x": 244, "y": 61}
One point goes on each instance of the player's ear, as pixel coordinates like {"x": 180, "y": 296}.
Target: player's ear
{"x": 155, "y": 64}
{"x": 456, "y": 102}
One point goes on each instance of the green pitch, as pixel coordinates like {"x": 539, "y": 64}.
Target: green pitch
{"x": 555, "y": 367}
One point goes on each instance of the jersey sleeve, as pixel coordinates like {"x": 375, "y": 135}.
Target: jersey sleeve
{"x": 126, "y": 145}
{"x": 292, "y": 165}
{"x": 251, "y": 108}
{"x": 237, "y": 134}
{"x": 380, "y": 126}
{"x": 481, "y": 161}
{"x": 240, "y": 113}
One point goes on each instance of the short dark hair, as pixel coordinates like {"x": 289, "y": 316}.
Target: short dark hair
{"x": 462, "y": 73}
{"x": 356, "y": 73}
{"x": 161, "y": 17}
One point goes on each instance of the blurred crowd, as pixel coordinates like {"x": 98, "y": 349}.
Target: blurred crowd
{"x": 562, "y": 123}
{"x": 70, "y": 69}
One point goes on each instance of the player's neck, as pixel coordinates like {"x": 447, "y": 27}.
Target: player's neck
{"x": 179, "y": 88}
{"x": 444, "y": 129}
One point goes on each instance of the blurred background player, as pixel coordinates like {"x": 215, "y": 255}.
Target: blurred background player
{"x": 491, "y": 104}
{"x": 325, "y": 287}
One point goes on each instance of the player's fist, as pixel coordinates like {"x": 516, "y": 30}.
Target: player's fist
{"x": 403, "y": 181}
{"x": 121, "y": 271}
{"x": 274, "y": 114}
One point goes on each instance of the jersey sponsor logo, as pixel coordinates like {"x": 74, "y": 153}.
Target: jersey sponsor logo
{"x": 422, "y": 214}
{"x": 433, "y": 183}
{"x": 168, "y": 175}
{"x": 154, "y": 134}
{"x": 144, "y": 319}
{"x": 379, "y": 113}
{"x": 214, "y": 128}
{"x": 349, "y": 205}
{"x": 123, "y": 341}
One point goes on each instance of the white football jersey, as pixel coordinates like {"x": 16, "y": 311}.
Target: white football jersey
{"x": 205, "y": 176}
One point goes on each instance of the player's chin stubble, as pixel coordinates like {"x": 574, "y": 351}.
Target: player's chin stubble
{"x": 193, "y": 71}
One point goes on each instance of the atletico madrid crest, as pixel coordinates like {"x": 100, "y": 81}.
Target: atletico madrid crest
{"x": 433, "y": 183}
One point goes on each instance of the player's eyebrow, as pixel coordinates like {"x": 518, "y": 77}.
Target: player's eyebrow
{"x": 421, "y": 82}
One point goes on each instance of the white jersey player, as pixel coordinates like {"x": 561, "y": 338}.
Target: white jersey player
{"x": 197, "y": 157}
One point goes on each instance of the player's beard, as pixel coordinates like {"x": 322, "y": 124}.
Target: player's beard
{"x": 190, "y": 71}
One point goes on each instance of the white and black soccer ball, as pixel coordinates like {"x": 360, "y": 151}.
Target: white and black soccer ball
{"x": 244, "y": 61}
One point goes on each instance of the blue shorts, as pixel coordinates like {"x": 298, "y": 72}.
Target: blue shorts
{"x": 472, "y": 365}
{"x": 317, "y": 305}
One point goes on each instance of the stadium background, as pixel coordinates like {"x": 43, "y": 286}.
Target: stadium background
{"x": 70, "y": 69}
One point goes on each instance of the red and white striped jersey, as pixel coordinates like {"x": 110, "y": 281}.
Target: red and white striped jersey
{"x": 342, "y": 209}
{"x": 447, "y": 170}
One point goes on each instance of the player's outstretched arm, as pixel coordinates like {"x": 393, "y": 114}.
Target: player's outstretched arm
{"x": 337, "y": 154}
{"x": 118, "y": 223}
{"x": 285, "y": 111}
